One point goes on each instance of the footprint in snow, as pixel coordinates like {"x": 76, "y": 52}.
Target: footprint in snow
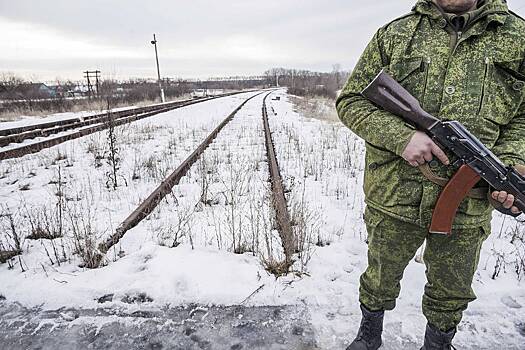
{"x": 348, "y": 269}
{"x": 510, "y": 302}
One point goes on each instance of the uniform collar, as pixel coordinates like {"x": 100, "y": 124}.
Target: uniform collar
{"x": 492, "y": 10}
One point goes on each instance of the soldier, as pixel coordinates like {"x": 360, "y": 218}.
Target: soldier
{"x": 464, "y": 61}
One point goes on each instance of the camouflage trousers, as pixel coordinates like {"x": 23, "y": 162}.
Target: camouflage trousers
{"x": 450, "y": 266}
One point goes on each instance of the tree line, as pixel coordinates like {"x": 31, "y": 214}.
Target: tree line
{"x": 308, "y": 83}
{"x": 18, "y": 95}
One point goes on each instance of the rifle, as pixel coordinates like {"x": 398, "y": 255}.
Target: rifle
{"x": 474, "y": 160}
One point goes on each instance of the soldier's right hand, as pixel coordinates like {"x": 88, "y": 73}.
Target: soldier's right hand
{"x": 421, "y": 149}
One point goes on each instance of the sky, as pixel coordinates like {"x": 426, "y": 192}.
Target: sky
{"x": 59, "y": 39}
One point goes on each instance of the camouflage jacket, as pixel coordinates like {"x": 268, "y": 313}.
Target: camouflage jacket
{"x": 476, "y": 77}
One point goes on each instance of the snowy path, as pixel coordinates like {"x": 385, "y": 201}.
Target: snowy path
{"x": 181, "y": 328}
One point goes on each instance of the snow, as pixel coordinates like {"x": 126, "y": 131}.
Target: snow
{"x": 321, "y": 163}
{"x": 202, "y": 276}
{"x": 150, "y": 149}
{"x": 31, "y": 120}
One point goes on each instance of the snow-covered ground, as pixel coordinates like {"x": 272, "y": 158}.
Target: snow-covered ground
{"x": 209, "y": 241}
{"x": 30, "y": 120}
{"x": 148, "y": 151}
{"x": 328, "y": 164}
{"x": 26, "y": 120}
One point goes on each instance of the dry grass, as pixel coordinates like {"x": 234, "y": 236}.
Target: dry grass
{"x": 78, "y": 106}
{"x": 321, "y": 108}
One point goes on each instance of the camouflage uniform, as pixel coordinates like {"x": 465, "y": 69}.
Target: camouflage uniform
{"x": 474, "y": 74}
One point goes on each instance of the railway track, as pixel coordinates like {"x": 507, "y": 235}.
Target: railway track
{"x": 152, "y": 201}
{"x": 80, "y": 128}
{"x": 282, "y": 214}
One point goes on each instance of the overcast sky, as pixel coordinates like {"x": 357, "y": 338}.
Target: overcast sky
{"x": 43, "y": 40}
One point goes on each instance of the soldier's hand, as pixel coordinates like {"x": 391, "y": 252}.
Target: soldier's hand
{"x": 421, "y": 149}
{"x": 507, "y": 199}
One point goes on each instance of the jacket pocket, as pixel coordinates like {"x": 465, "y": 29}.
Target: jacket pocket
{"x": 377, "y": 157}
{"x": 403, "y": 69}
{"x": 389, "y": 181}
{"x": 412, "y": 73}
{"x": 503, "y": 91}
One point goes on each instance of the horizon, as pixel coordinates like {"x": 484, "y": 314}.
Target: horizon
{"x": 82, "y": 81}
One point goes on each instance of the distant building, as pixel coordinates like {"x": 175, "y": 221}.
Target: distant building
{"x": 80, "y": 90}
{"x": 27, "y": 91}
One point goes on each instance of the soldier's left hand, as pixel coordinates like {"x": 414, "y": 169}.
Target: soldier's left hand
{"x": 507, "y": 199}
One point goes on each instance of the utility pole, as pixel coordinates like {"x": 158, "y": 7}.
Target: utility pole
{"x": 90, "y": 88}
{"x": 154, "y": 42}
{"x": 97, "y": 83}
{"x": 93, "y": 74}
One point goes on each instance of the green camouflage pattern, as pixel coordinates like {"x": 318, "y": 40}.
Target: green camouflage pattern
{"x": 450, "y": 261}
{"x": 477, "y": 79}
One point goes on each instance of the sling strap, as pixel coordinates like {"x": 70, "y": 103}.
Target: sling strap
{"x": 476, "y": 193}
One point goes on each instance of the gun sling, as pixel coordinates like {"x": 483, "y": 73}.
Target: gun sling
{"x": 476, "y": 193}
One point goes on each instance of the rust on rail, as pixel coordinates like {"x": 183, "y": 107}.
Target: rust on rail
{"x": 282, "y": 214}
{"x": 165, "y": 188}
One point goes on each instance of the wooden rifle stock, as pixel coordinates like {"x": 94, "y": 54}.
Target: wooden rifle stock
{"x": 388, "y": 94}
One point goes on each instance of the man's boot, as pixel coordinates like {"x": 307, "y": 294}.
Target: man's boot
{"x": 369, "y": 335}
{"x": 438, "y": 340}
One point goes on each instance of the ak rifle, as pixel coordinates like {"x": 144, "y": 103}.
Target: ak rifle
{"x": 474, "y": 160}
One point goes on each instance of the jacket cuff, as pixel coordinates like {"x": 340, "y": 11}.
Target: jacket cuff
{"x": 403, "y": 138}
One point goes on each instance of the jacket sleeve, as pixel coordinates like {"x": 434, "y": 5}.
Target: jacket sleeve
{"x": 374, "y": 125}
{"x": 510, "y": 147}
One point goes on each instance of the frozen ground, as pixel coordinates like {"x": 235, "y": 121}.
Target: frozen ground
{"x": 24, "y": 120}
{"x": 142, "y": 291}
{"x": 30, "y": 120}
{"x": 178, "y": 328}
{"x": 77, "y": 173}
